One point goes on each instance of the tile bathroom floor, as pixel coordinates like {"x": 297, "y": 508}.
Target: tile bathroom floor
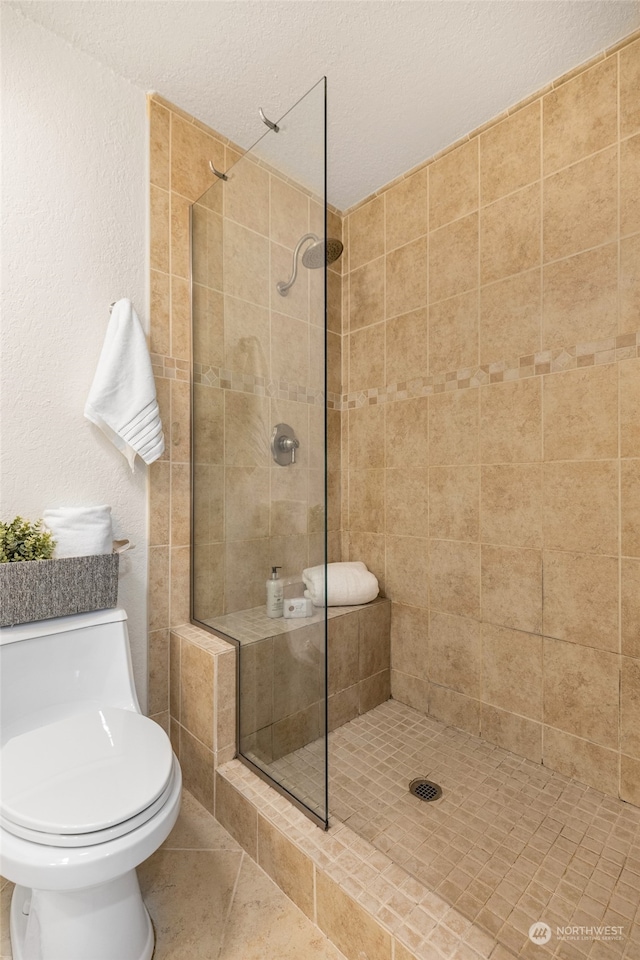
{"x": 509, "y": 843}
{"x": 209, "y": 901}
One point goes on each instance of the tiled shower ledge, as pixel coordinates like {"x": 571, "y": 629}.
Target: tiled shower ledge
{"x": 247, "y": 626}
{"x": 370, "y": 907}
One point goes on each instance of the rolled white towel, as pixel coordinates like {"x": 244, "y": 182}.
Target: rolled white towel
{"x": 80, "y": 531}
{"x": 347, "y": 584}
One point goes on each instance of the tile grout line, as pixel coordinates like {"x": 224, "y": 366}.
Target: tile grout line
{"x": 541, "y": 341}
{"x": 619, "y": 426}
{"x": 243, "y": 854}
{"x": 478, "y": 446}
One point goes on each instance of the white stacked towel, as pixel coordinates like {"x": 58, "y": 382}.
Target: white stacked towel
{"x": 347, "y": 584}
{"x": 80, "y": 531}
{"x": 122, "y": 400}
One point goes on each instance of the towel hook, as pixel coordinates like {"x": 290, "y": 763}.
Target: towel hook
{"x": 272, "y": 126}
{"x": 222, "y": 176}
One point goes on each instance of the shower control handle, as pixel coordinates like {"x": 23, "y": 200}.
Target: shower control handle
{"x": 284, "y": 444}
{"x": 287, "y": 443}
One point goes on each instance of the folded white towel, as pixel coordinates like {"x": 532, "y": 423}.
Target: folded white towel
{"x": 122, "y": 400}
{"x": 347, "y": 584}
{"x": 80, "y": 531}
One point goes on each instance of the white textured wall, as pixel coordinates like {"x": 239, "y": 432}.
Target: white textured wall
{"x": 74, "y": 237}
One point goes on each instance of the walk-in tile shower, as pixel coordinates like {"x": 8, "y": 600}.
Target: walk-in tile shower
{"x": 483, "y": 460}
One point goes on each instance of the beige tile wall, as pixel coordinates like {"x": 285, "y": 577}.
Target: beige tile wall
{"x": 491, "y": 445}
{"x": 241, "y": 343}
{"x": 178, "y": 174}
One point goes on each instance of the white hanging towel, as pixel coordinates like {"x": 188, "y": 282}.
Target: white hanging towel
{"x": 122, "y": 399}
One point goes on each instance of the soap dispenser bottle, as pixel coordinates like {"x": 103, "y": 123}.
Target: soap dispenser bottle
{"x": 275, "y": 594}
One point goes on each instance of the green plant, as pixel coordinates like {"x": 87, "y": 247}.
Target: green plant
{"x": 23, "y": 540}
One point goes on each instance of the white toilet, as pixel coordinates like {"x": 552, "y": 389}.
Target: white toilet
{"x": 90, "y": 788}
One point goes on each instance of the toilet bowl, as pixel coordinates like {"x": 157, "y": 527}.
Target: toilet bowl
{"x": 90, "y": 788}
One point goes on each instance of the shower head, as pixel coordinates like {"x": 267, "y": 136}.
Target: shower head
{"x": 321, "y": 252}
{"x": 316, "y": 255}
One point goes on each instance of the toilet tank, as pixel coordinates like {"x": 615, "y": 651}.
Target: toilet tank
{"x": 54, "y": 668}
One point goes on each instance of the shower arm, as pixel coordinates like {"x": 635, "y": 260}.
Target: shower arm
{"x": 282, "y": 287}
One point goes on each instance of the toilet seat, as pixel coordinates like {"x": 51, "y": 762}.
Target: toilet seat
{"x": 100, "y": 836}
{"x": 86, "y": 779}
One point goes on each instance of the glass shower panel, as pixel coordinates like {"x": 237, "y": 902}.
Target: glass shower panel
{"x": 259, "y": 460}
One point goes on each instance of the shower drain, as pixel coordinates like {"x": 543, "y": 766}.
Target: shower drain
{"x": 425, "y": 789}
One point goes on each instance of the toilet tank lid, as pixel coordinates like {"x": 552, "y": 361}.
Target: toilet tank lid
{"x": 46, "y": 628}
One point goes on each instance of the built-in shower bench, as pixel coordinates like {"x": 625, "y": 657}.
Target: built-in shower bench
{"x": 281, "y": 672}
{"x": 281, "y": 684}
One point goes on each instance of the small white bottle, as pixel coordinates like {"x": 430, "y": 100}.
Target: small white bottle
{"x": 275, "y": 594}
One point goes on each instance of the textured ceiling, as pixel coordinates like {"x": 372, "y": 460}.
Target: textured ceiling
{"x": 405, "y": 78}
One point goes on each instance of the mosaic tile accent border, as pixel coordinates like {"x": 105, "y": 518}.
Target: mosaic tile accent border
{"x": 625, "y": 347}
{"x": 174, "y": 369}
{"x": 588, "y": 354}
{"x": 169, "y": 367}
{"x": 260, "y": 386}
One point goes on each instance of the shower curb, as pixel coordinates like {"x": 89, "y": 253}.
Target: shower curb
{"x": 368, "y": 906}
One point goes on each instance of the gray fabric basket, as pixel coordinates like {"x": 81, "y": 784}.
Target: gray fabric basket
{"x": 41, "y": 589}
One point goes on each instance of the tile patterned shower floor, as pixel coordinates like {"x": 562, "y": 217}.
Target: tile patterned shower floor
{"x": 509, "y": 843}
